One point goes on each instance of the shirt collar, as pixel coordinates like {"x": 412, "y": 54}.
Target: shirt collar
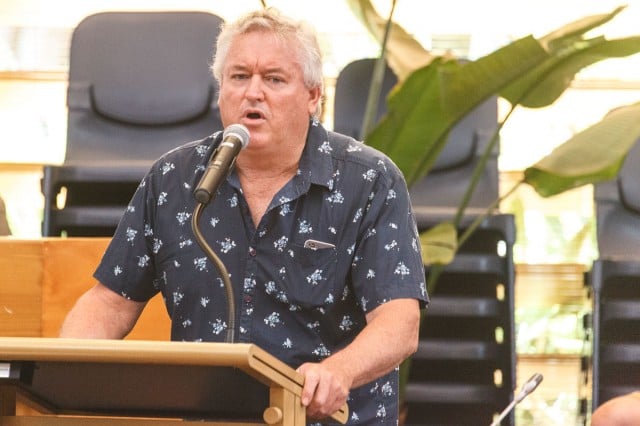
{"x": 316, "y": 163}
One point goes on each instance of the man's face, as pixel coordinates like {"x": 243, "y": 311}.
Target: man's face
{"x": 262, "y": 87}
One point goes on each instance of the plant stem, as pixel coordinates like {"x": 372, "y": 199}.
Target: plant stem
{"x": 377, "y": 78}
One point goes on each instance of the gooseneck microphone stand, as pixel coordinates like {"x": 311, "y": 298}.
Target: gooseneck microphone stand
{"x": 222, "y": 271}
{"x": 529, "y": 386}
{"x": 234, "y": 138}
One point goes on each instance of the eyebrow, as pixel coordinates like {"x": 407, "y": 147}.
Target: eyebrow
{"x": 273, "y": 69}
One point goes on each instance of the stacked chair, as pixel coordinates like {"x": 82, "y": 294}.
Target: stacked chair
{"x": 614, "y": 285}
{"x": 139, "y": 85}
{"x": 464, "y": 370}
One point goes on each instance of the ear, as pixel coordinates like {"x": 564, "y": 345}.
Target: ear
{"x": 314, "y": 99}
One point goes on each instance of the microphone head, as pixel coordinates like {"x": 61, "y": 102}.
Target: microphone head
{"x": 238, "y": 131}
{"x": 536, "y": 379}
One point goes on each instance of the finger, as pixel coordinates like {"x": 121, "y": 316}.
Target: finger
{"x": 311, "y": 380}
{"x": 328, "y": 398}
{"x": 318, "y": 405}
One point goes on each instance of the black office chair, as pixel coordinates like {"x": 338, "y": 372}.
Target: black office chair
{"x": 139, "y": 85}
{"x": 351, "y": 92}
{"x": 614, "y": 284}
{"x": 439, "y": 193}
{"x": 617, "y": 204}
{"x": 464, "y": 370}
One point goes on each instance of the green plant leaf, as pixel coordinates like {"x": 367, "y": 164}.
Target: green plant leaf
{"x": 593, "y": 155}
{"x": 569, "y": 52}
{"x": 548, "y": 81}
{"x": 576, "y": 29}
{"x": 439, "y": 244}
{"x": 424, "y": 108}
{"x": 404, "y": 53}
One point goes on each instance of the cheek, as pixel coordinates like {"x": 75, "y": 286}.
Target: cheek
{"x": 226, "y": 95}
{"x": 226, "y": 107}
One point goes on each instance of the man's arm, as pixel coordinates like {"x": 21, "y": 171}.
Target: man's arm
{"x": 391, "y": 335}
{"x": 623, "y": 410}
{"x": 101, "y": 313}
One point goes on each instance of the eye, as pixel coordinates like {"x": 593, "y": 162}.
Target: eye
{"x": 239, "y": 76}
{"x": 274, "y": 79}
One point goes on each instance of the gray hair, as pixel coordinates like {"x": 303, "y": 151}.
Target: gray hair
{"x": 271, "y": 20}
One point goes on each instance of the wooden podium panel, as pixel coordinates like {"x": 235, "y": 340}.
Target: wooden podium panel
{"x": 201, "y": 382}
{"x": 41, "y": 279}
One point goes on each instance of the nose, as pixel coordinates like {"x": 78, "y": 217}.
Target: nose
{"x": 254, "y": 88}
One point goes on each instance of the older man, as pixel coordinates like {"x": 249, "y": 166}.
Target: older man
{"x": 315, "y": 229}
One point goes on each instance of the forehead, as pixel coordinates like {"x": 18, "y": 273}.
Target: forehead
{"x": 263, "y": 48}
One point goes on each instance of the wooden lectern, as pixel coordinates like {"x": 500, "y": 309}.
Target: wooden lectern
{"x": 133, "y": 382}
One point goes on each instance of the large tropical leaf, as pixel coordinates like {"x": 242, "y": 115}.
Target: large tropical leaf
{"x": 439, "y": 244}
{"x": 404, "y": 53}
{"x": 425, "y": 107}
{"x": 593, "y": 155}
{"x": 569, "y": 53}
{"x": 576, "y": 29}
{"x": 544, "y": 84}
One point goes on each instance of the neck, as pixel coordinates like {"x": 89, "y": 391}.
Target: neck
{"x": 265, "y": 164}
{"x": 261, "y": 180}
{"x": 265, "y": 168}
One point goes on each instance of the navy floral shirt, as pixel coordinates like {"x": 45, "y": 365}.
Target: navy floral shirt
{"x": 297, "y": 300}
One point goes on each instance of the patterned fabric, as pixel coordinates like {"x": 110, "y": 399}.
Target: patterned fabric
{"x": 299, "y": 300}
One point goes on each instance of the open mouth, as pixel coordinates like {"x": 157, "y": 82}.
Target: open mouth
{"x": 254, "y": 115}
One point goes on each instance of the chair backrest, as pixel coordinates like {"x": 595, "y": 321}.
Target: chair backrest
{"x": 351, "y": 92}
{"x": 617, "y": 204}
{"x": 462, "y": 373}
{"x": 447, "y": 181}
{"x": 615, "y": 355}
{"x": 613, "y": 283}
{"x": 140, "y": 84}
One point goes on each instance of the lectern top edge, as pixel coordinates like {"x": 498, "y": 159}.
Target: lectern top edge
{"x": 130, "y": 351}
{"x": 248, "y": 357}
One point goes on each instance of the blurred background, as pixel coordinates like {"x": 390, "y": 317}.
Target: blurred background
{"x": 555, "y": 246}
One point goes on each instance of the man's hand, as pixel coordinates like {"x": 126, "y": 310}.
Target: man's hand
{"x": 325, "y": 389}
{"x": 390, "y": 336}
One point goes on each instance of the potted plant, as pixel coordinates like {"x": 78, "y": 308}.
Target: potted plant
{"x": 528, "y": 72}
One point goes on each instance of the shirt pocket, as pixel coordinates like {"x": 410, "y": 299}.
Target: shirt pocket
{"x": 308, "y": 278}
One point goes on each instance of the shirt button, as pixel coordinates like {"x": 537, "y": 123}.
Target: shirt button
{"x": 252, "y": 251}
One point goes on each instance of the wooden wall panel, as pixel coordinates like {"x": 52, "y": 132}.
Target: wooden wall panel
{"x": 67, "y": 273}
{"x": 20, "y": 288}
{"x": 40, "y": 280}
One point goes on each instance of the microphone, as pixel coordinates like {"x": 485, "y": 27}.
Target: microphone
{"x": 234, "y": 138}
{"x": 529, "y": 386}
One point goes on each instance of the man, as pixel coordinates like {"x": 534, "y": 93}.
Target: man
{"x": 344, "y": 310}
{"x": 623, "y": 410}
